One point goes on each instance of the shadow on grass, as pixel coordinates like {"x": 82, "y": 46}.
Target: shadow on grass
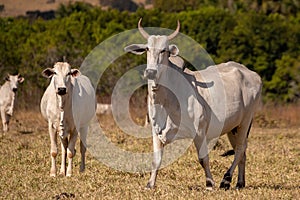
{"x": 251, "y": 187}
{"x": 274, "y": 187}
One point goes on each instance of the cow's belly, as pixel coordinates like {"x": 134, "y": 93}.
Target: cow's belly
{"x": 234, "y": 116}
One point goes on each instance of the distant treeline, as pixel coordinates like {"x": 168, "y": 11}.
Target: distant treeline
{"x": 266, "y": 42}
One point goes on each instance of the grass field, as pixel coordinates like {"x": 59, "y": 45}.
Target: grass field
{"x": 272, "y": 170}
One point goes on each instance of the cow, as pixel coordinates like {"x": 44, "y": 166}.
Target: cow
{"x": 103, "y": 109}
{"x": 68, "y": 105}
{"x": 8, "y": 98}
{"x": 191, "y": 112}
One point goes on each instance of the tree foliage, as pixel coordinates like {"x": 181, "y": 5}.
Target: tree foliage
{"x": 266, "y": 42}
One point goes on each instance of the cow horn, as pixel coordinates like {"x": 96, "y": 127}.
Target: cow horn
{"x": 142, "y": 31}
{"x": 174, "y": 34}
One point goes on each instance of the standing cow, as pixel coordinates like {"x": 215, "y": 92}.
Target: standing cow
{"x": 8, "y": 97}
{"x": 68, "y": 104}
{"x": 194, "y": 114}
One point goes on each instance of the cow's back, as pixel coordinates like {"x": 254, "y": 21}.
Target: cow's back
{"x": 235, "y": 91}
{"x": 83, "y": 101}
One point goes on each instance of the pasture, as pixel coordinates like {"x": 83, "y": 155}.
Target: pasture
{"x": 272, "y": 169}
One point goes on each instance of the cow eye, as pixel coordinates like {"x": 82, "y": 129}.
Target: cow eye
{"x": 163, "y": 51}
{"x": 69, "y": 73}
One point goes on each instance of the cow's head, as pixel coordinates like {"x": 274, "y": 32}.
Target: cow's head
{"x": 14, "y": 80}
{"x": 61, "y": 75}
{"x": 158, "y": 51}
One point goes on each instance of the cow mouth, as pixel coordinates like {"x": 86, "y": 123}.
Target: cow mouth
{"x": 155, "y": 87}
{"x": 61, "y": 91}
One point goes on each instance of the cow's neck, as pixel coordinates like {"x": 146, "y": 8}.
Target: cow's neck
{"x": 64, "y": 104}
{"x": 159, "y": 92}
{"x": 10, "y": 95}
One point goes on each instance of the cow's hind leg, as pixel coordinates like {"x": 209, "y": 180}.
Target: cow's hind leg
{"x": 238, "y": 141}
{"x": 202, "y": 150}
{"x": 83, "y": 134}
{"x": 157, "y": 158}
{"x": 71, "y": 151}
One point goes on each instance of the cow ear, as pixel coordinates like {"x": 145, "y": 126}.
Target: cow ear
{"x": 48, "y": 73}
{"x": 176, "y": 60}
{"x": 174, "y": 51}
{"x": 7, "y": 77}
{"x": 75, "y": 72}
{"x": 20, "y": 79}
{"x": 137, "y": 49}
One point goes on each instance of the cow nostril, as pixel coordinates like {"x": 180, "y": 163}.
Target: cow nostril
{"x": 61, "y": 91}
{"x": 150, "y": 73}
{"x": 14, "y": 89}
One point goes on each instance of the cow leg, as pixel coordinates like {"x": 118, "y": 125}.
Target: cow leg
{"x": 4, "y": 122}
{"x": 64, "y": 146}
{"x": 239, "y": 142}
{"x": 157, "y": 158}
{"x": 53, "y": 150}
{"x": 83, "y": 134}
{"x": 202, "y": 151}
{"x": 241, "y": 166}
{"x": 71, "y": 151}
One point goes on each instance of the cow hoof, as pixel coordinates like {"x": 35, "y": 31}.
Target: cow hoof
{"x": 209, "y": 188}
{"x": 82, "y": 169}
{"x": 149, "y": 186}
{"x": 209, "y": 184}
{"x": 239, "y": 186}
{"x": 225, "y": 185}
{"x": 52, "y": 174}
{"x": 62, "y": 173}
{"x": 162, "y": 139}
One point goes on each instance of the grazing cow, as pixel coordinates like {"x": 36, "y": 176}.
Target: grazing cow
{"x": 193, "y": 114}
{"x": 8, "y": 97}
{"x": 68, "y": 105}
{"x": 103, "y": 109}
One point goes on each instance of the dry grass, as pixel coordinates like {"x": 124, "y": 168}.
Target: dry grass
{"x": 279, "y": 116}
{"x": 273, "y": 166}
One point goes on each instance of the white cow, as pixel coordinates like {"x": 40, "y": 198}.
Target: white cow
{"x": 192, "y": 112}
{"x": 8, "y": 98}
{"x": 68, "y": 104}
{"x": 103, "y": 109}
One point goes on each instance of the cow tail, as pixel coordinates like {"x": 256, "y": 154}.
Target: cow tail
{"x": 228, "y": 153}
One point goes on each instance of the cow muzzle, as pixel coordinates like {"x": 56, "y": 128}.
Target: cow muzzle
{"x": 61, "y": 91}
{"x": 150, "y": 73}
{"x": 15, "y": 90}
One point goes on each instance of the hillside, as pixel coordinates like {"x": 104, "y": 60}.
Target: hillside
{"x": 20, "y": 7}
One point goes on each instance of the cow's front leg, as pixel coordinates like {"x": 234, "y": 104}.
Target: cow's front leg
{"x": 4, "y": 122}
{"x": 71, "y": 151}
{"x": 202, "y": 150}
{"x": 53, "y": 150}
{"x": 157, "y": 158}
{"x": 169, "y": 128}
{"x": 64, "y": 146}
{"x": 10, "y": 111}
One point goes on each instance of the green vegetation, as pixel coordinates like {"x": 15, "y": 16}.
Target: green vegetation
{"x": 263, "y": 35}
